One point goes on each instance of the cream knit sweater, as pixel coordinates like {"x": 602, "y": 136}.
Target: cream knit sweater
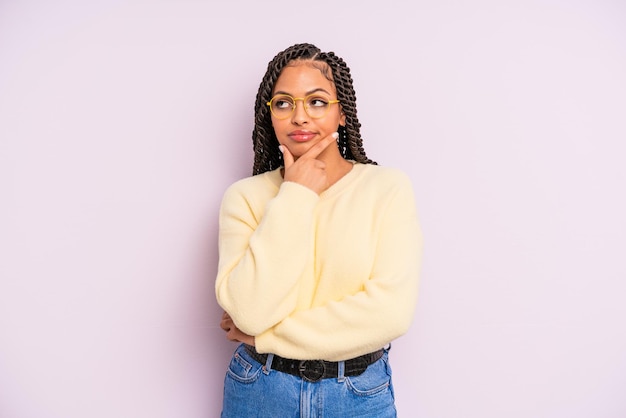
{"x": 326, "y": 277}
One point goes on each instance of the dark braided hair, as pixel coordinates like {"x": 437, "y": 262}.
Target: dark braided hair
{"x": 266, "y": 154}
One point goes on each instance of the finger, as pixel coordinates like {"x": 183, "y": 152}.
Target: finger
{"x": 317, "y": 149}
{"x": 225, "y": 325}
{"x": 319, "y": 164}
{"x": 287, "y": 157}
{"x": 234, "y": 334}
{"x": 229, "y": 335}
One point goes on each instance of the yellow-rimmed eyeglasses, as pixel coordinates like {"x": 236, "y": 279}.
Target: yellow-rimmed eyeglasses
{"x": 282, "y": 106}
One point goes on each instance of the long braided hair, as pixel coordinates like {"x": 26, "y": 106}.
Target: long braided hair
{"x": 266, "y": 154}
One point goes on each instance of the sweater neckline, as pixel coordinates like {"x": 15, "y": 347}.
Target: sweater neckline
{"x": 275, "y": 177}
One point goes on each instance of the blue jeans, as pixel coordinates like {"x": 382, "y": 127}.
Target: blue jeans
{"x": 252, "y": 390}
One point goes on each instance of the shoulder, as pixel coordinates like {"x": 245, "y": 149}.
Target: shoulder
{"x": 257, "y": 184}
{"x": 251, "y": 192}
{"x": 384, "y": 177}
{"x": 391, "y": 190}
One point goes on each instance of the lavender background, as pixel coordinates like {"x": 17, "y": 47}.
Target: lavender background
{"x": 122, "y": 122}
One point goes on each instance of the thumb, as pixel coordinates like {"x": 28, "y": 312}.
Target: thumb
{"x": 287, "y": 157}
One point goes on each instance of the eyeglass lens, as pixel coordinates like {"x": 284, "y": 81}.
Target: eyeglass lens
{"x": 283, "y": 106}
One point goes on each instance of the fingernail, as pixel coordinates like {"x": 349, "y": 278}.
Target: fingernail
{"x": 335, "y": 135}
{"x": 280, "y": 147}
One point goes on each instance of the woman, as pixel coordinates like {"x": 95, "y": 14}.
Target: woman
{"x": 319, "y": 253}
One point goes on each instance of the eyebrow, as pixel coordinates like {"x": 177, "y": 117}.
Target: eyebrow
{"x": 308, "y": 93}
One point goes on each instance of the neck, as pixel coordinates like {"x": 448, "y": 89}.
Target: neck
{"x": 336, "y": 165}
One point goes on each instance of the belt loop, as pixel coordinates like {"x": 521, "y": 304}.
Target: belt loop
{"x": 341, "y": 369}
{"x": 268, "y": 364}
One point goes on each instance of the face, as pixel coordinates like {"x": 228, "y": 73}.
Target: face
{"x": 299, "y": 132}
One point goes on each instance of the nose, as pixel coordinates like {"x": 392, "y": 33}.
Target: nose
{"x": 299, "y": 115}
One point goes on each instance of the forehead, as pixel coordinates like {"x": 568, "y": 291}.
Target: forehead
{"x": 300, "y": 78}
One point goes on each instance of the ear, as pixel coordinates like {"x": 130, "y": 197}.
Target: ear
{"x": 342, "y": 118}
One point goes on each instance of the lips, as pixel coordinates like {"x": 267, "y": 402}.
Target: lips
{"x": 301, "y": 136}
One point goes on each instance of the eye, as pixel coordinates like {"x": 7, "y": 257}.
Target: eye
{"x": 282, "y": 103}
{"x": 317, "y": 102}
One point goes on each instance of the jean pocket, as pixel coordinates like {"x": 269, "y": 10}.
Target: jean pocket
{"x": 375, "y": 379}
{"x": 243, "y": 367}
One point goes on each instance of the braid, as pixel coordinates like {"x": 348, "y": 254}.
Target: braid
{"x": 350, "y": 141}
{"x": 267, "y": 157}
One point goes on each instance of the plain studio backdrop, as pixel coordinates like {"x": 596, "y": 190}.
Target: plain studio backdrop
{"x": 122, "y": 122}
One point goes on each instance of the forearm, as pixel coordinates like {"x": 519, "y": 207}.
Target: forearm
{"x": 339, "y": 330}
{"x": 261, "y": 265}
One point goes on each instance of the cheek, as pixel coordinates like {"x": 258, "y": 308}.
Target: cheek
{"x": 338, "y": 120}
{"x": 279, "y": 128}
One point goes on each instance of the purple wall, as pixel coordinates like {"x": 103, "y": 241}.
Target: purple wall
{"x": 121, "y": 124}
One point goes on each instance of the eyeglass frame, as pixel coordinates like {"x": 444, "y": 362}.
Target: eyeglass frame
{"x": 293, "y": 109}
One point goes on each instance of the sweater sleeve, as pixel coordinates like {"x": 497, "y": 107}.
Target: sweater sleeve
{"x": 371, "y": 318}
{"x": 261, "y": 260}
